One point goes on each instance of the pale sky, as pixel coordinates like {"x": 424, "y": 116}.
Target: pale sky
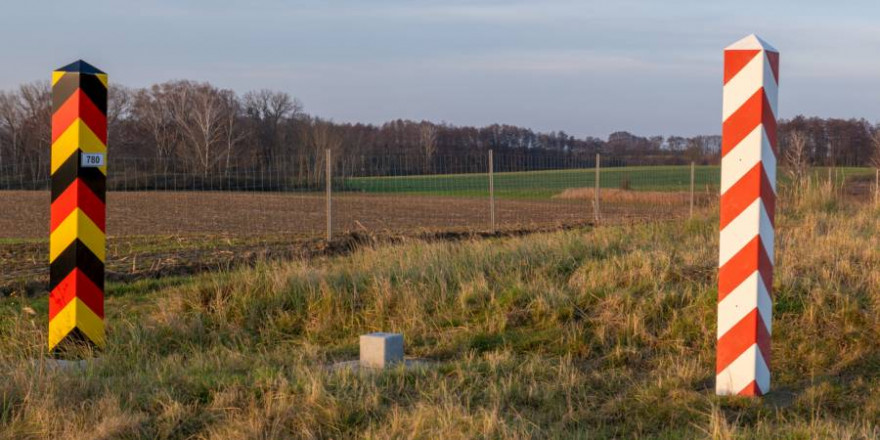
{"x": 586, "y": 67}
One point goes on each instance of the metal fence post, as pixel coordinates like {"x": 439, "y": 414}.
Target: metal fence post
{"x": 693, "y": 166}
{"x": 492, "y": 190}
{"x": 596, "y": 191}
{"x": 329, "y": 178}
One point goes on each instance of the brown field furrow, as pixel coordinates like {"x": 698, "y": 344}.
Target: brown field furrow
{"x": 155, "y": 234}
{"x": 25, "y": 214}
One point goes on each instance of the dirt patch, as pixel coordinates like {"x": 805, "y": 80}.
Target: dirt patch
{"x": 25, "y": 214}
{"x": 159, "y": 234}
{"x": 616, "y": 196}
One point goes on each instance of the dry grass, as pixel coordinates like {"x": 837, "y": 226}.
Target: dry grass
{"x": 605, "y": 333}
{"x": 624, "y": 196}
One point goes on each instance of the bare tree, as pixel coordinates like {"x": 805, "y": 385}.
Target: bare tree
{"x": 797, "y": 160}
{"x": 36, "y": 133}
{"x": 323, "y": 136}
{"x": 120, "y": 102}
{"x": 152, "y": 112}
{"x": 428, "y": 142}
{"x": 267, "y": 110}
{"x": 200, "y": 111}
{"x": 10, "y": 122}
{"x": 235, "y": 134}
{"x": 875, "y": 146}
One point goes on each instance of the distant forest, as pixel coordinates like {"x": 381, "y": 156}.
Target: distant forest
{"x": 197, "y": 128}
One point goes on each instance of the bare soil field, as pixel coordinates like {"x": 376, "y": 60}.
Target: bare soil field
{"x": 25, "y": 214}
{"x": 157, "y": 234}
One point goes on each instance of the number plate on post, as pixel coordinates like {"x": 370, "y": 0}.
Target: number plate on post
{"x": 92, "y": 160}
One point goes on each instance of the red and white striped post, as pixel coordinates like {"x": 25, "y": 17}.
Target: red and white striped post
{"x": 748, "y": 199}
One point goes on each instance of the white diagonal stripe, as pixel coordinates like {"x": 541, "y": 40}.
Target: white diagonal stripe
{"x": 756, "y": 74}
{"x": 749, "y": 366}
{"x": 748, "y": 296}
{"x": 750, "y": 223}
{"x": 753, "y": 149}
{"x": 768, "y": 157}
{"x": 743, "y": 86}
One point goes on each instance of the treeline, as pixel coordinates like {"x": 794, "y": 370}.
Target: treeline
{"x": 207, "y": 132}
{"x": 831, "y": 142}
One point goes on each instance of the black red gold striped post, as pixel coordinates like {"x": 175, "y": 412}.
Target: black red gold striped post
{"x": 77, "y": 237}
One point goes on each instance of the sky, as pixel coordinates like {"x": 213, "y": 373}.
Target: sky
{"x": 587, "y": 67}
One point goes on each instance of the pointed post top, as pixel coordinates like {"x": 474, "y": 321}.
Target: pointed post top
{"x": 752, "y": 42}
{"x": 80, "y": 66}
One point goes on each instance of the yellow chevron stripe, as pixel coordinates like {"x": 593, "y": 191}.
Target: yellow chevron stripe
{"x": 90, "y": 323}
{"x": 77, "y": 225}
{"x": 76, "y": 314}
{"x": 103, "y": 78}
{"x": 77, "y": 136}
{"x": 56, "y": 76}
{"x": 62, "y": 324}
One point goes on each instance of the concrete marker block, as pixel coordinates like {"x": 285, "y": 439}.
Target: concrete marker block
{"x": 380, "y": 350}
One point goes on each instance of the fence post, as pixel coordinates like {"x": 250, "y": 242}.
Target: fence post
{"x": 596, "y": 191}
{"x": 693, "y": 167}
{"x": 492, "y": 190}
{"x": 748, "y": 196}
{"x": 329, "y": 180}
{"x": 876, "y": 187}
{"x": 77, "y": 241}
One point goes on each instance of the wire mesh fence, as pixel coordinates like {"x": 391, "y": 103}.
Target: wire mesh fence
{"x": 397, "y": 194}
{"x": 167, "y": 218}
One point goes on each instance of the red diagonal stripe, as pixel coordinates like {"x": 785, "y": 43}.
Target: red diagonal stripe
{"x": 78, "y": 195}
{"x": 742, "y": 122}
{"x": 769, "y": 121}
{"x": 751, "y": 390}
{"x": 76, "y": 285}
{"x": 747, "y": 331}
{"x": 65, "y": 115}
{"x": 773, "y": 57}
{"x": 79, "y": 105}
{"x": 743, "y": 193}
{"x": 752, "y": 257}
{"x": 62, "y": 294}
{"x": 736, "y": 60}
{"x": 63, "y": 206}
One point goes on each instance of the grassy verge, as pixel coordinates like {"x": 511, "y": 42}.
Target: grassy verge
{"x": 591, "y": 333}
{"x": 538, "y": 184}
{"x": 25, "y": 268}
{"x": 546, "y": 184}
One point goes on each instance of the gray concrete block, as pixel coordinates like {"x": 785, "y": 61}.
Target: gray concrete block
{"x": 379, "y": 350}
